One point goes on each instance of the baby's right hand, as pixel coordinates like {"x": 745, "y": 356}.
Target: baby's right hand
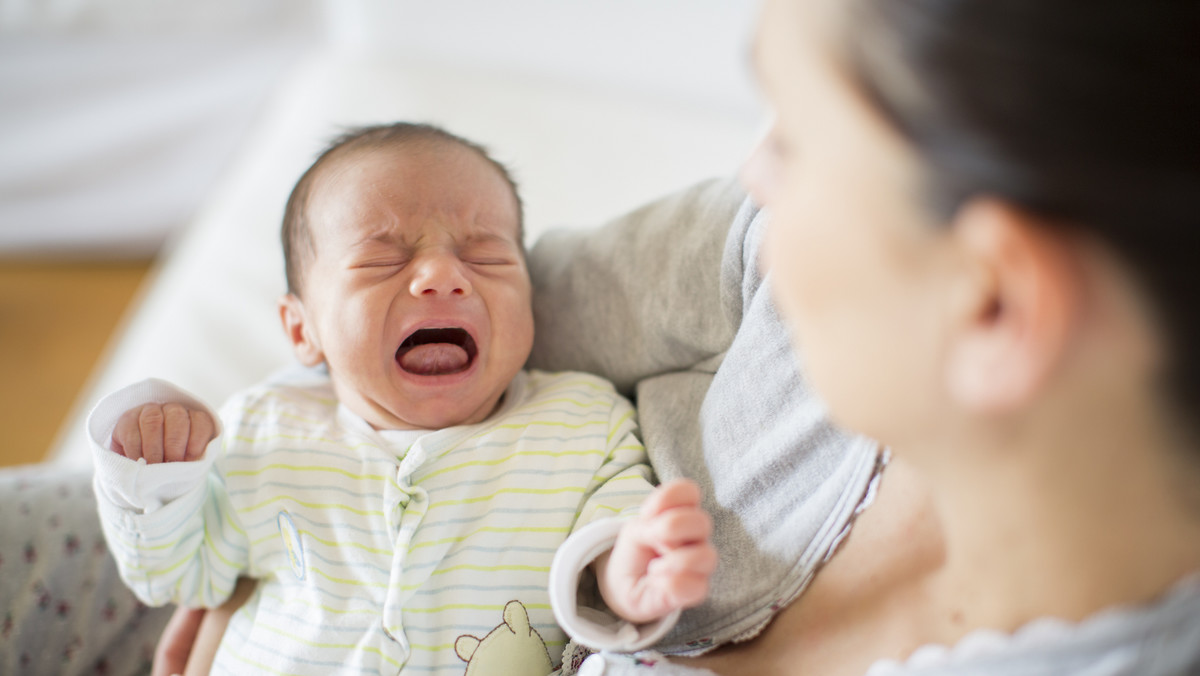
{"x": 163, "y": 433}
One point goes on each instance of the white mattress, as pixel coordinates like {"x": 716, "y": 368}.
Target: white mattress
{"x": 582, "y": 149}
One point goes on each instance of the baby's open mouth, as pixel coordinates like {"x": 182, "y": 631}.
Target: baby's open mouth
{"x": 437, "y": 352}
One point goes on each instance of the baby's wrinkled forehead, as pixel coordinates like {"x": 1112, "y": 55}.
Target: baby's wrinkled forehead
{"x": 372, "y": 184}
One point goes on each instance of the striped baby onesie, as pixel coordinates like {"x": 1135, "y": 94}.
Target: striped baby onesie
{"x": 376, "y": 552}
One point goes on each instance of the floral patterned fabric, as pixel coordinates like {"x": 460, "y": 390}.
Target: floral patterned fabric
{"x": 63, "y": 609}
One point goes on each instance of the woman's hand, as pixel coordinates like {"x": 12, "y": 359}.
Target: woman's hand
{"x": 189, "y": 644}
{"x": 662, "y": 560}
{"x": 175, "y": 644}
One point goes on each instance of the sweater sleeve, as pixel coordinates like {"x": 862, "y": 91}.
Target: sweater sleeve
{"x": 642, "y": 294}
{"x": 169, "y": 526}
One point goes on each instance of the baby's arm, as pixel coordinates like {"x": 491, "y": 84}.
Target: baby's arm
{"x": 169, "y": 524}
{"x": 662, "y": 559}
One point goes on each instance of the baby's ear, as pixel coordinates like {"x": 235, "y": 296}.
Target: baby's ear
{"x": 301, "y": 334}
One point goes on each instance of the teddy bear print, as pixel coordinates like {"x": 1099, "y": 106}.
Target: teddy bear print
{"x": 512, "y": 648}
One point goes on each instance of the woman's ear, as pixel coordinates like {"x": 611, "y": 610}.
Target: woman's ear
{"x": 295, "y": 324}
{"x": 1019, "y": 304}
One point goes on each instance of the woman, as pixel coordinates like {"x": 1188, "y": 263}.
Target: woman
{"x": 980, "y": 213}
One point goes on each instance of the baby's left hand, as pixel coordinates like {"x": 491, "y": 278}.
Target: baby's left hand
{"x": 662, "y": 559}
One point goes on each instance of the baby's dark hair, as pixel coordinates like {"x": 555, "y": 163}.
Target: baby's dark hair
{"x": 296, "y": 235}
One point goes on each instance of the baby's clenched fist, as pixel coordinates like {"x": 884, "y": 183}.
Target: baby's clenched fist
{"x": 163, "y": 433}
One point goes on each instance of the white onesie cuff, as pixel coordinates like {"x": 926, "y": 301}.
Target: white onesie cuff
{"x": 134, "y": 485}
{"x": 592, "y": 627}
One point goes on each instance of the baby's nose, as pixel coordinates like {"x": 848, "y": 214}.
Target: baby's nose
{"x": 440, "y": 275}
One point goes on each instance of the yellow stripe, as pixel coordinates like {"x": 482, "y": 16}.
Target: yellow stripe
{"x": 326, "y": 646}
{"x": 600, "y": 386}
{"x": 538, "y": 403}
{"x": 350, "y": 543}
{"x": 486, "y": 529}
{"x": 611, "y": 509}
{"x": 533, "y": 423}
{"x": 522, "y": 491}
{"x": 473, "y": 606}
{"x": 542, "y": 423}
{"x": 488, "y": 463}
{"x": 227, "y": 517}
{"x": 471, "y": 566}
{"x": 340, "y": 580}
{"x": 450, "y": 646}
{"x": 617, "y": 427}
{"x": 212, "y": 546}
{"x": 308, "y": 468}
{"x": 329, "y": 609}
{"x": 258, "y": 666}
{"x": 251, "y": 412}
{"x": 339, "y": 443}
{"x": 315, "y": 505}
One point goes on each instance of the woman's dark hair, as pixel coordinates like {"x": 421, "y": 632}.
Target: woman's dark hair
{"x": 1082, "y": 111}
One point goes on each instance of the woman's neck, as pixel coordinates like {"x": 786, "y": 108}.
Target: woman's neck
{"x": 1064, "y": 523}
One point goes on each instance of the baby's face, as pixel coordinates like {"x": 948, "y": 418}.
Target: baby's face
{"x": 418, "y": 296}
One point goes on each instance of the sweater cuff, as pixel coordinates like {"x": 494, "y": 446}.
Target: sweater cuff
{"x": 596, "y": 628}
{"x": 134, "y": 485}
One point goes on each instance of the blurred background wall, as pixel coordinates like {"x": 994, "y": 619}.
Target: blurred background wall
{"x": 118, "y": 118}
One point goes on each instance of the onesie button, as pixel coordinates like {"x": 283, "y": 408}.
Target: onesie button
{"x": 592, "y": 666}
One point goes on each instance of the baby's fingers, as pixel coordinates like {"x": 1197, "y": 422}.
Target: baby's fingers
{"x": 700, "y": 559}
{"x": 202, "y": 431}
{"x": 676, "y": 528}
{"x": 151, "y": 420}
{"x": 681, "y": 576}
{"x": 177, "y": 431}
{"x": 671, "y": 495}
{"x": 163, "y": 433}
{"x": 127, "y": 435}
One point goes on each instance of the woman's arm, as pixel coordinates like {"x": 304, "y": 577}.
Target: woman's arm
{"x": 640, "y": 295}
